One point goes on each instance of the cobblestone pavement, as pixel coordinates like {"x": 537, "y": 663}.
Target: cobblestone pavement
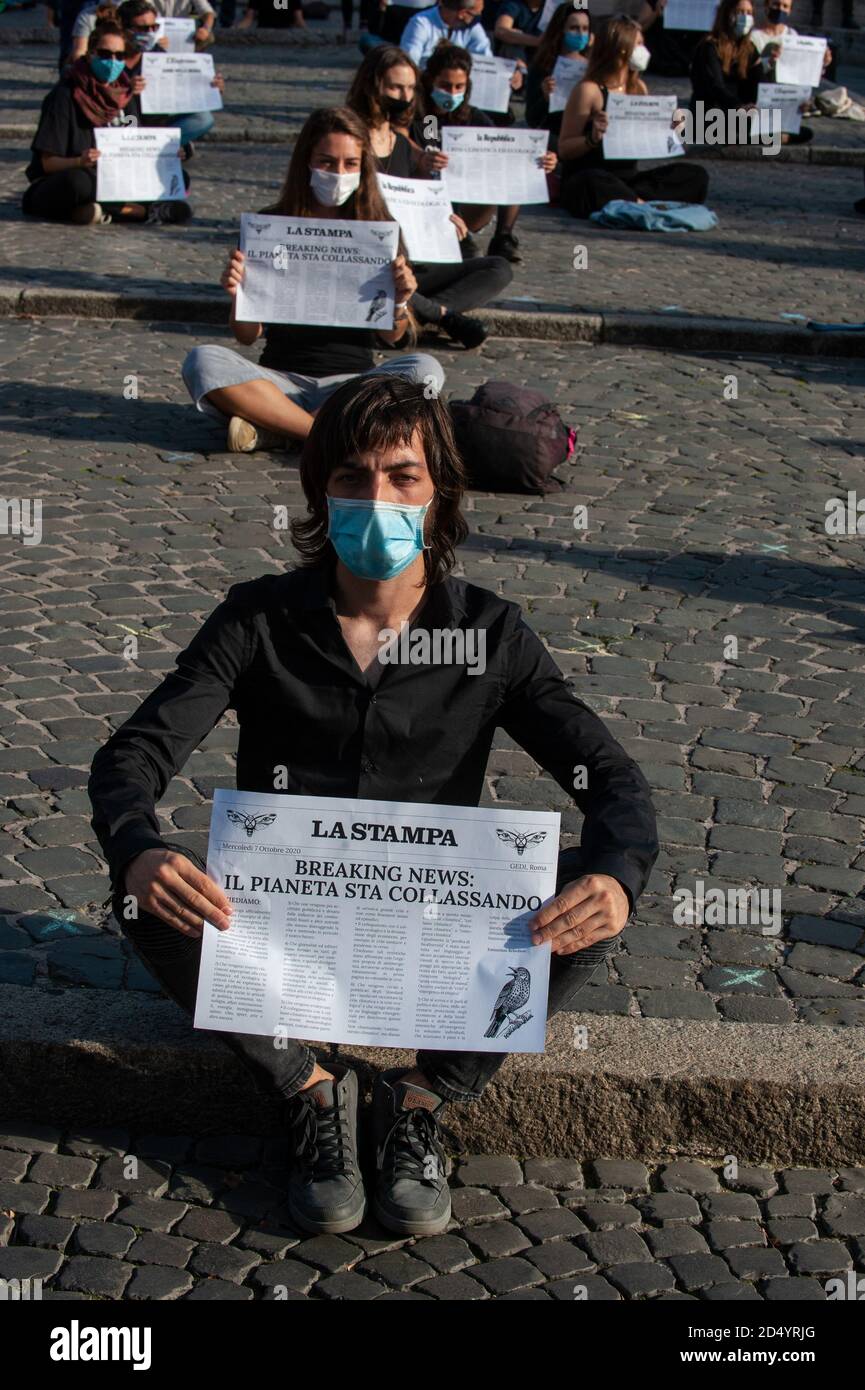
{"x": 787, "y": 241}
{"x": 705, "y": 522}
{"x": 204, "y": 1218}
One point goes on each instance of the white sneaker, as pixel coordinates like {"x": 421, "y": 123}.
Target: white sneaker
{"x": 91, "y": 215}
{"x": 245, "y": 438}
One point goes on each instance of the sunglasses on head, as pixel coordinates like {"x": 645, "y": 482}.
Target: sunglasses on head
{"x": 108, "y": 53}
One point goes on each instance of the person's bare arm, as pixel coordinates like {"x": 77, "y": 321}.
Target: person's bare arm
{"x": 583, "y": 121}
{"x": 507, "y": 33}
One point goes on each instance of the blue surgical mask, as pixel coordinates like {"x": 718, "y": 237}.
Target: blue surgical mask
{"x": 447, "y": 101}
{"x": 107, "y": 69}
{"x": 743, "y": 24}
{"x": 145, "y": 40}
{"x": 576, "y": 43}
{"x": 375, "y": 540}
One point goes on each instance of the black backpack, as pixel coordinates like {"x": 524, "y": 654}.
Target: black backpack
{"x": 511, "y": 439}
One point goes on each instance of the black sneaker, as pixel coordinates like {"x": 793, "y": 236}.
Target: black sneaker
{"x": 412, "y": 1197}
{"x": 175, "y": 212}
{"x": 505, "y": 244}
{"x": 468, "y": 331}
{"x": 469, "y": 248}
{"x": 325, "y": 1193}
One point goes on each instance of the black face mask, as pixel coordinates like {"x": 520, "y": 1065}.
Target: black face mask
{"x": 775, "y": 14}
{"x": 394, "y": 107}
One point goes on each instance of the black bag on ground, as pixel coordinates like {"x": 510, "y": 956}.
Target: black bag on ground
{"x": 511, "y": 439}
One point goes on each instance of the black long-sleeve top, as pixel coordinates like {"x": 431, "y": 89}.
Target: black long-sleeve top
{"x": 274, "y": 652}
{"x": 718, "y": 89}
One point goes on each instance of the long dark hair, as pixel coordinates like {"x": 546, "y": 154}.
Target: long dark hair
{"x": 614, "y": 43}
{"x": 550, "y": 46}
{"x": 447, "y": 55}
{"x": 374, "y": 413}
{"x": 364, "y": 94}
{"x": 365, "y": 205}
{"x": 731, "y": 49}
{"x": 296, "y": 200}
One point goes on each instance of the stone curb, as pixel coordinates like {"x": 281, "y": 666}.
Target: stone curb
{"x": 547, "y": 322}
{"x": 826, "y": 155}
{"x": 785, "y": 1094}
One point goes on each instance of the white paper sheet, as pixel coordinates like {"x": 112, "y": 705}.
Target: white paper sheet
{"x": 178, "y": 82}
{"x": 488, "y": 165}
{"x": 641, "y": 128}
{"x": 423, "y": 210}
{"x": 491, "y": 83}
{"x": 317, "y": 270}
{"x": 382, "y": 923}
{"x": 786, "y": 98}
{"x": 138, "y": 164}
{"x": 567, "y": 73}
{"x": 179, "y": 32}
{"x": 801, "y": 60}
{"x": 697, "y": 15}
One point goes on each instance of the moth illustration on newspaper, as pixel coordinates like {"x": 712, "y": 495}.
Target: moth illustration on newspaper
{"x": 385, "y": 923}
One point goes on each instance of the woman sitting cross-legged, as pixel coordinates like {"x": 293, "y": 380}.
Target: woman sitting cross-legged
{"x": 589, "y": 181}
{"x": 332, "y": 174}
{"x": 97, "y": 91}
{"x": 386, "y": 94}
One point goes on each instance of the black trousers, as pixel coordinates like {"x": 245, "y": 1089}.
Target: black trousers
{"x": 588, "y": 190}
{"x": 174, "y": 960}
{"x": 464, "y": 286}
{"x": 56, "y": 196}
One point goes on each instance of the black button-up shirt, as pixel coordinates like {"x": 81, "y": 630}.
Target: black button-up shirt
{"x": 313, "y": 724}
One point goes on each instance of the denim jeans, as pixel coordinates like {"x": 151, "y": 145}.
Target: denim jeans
{"x": 173, "y": 959}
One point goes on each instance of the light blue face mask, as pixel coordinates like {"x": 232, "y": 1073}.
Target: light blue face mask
{"x": 107, "y": 69}
{"x": 447, "y": 101}
{"x": 375, "y": 540}
{"x": 575, "y": 42}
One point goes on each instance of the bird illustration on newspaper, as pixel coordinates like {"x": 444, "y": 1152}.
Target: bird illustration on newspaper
{"x": 512, "y": 996}
{"x": 377, "y": 307}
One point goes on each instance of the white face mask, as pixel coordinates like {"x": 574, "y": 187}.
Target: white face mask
{"x": 639, "y": 59}
{"x": 332, "y": 190}
{"x": 744, "y": 24}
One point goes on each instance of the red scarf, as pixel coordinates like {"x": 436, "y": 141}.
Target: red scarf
{"x": 99, "y": 101}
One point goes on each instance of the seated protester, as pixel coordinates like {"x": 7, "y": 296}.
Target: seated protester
{"x": 447, "y": 91}
{"x": 332, "y": 174}
{"x": 568, "y": 35}
{"x": 517, "y": 30}
{"x": 200, "y": 10}
{"x": 141, "y": 23}
{"x": 384, "y": 93}
{"x": 97, "y": 91}
{"x": 457, "y": 21}
{"x": 297, "y": 656}
{"x": 388, "y": 21}
{"x": 671, "y": 49}
{"x": 92, "y": 14}
{"x": 589, "y": 181}
{"x": 265, "y": 13}
{"x": 726, "y": 70}
{"x": 768, "y": 39}
{"x": 385, "y": 90}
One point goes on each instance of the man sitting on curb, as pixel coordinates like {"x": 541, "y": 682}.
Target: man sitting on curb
{"x": 297, "y": 656}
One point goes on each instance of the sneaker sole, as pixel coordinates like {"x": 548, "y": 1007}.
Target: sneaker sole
{"x": 401, "y": 1227}
{"x": 336, "y": 1227}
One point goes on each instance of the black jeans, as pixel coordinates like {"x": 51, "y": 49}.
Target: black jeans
{"x": 465, "y": 286}
{"x": 174, "y": 961}
{"x": 588, "y": 190}
{"x": 56, "y": 196}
